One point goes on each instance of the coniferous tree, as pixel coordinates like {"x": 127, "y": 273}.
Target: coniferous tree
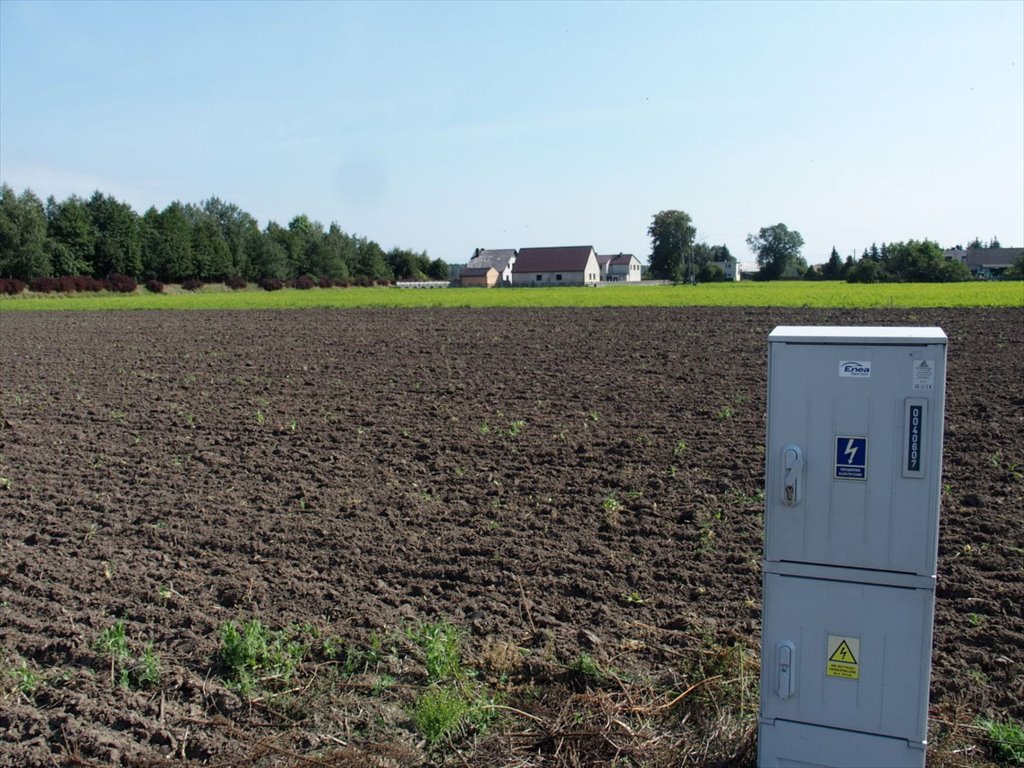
{"x": 23, "y": 251}
{"x": 71, "y": 236}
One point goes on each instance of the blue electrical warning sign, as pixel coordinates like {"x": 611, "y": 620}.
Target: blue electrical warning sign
{"x": 851, "y": 458}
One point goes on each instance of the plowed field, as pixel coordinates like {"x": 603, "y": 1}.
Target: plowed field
{"x": 556, "y": 482}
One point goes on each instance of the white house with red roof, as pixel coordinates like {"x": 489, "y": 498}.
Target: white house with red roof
{"x": 563, "y": 265}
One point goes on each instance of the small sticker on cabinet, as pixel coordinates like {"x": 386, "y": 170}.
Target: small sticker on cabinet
{"x": 843, "y": 659}
{"x": 924, "y": 375}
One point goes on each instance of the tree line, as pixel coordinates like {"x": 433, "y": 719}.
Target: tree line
{"x": 676, "y": 256}
{"x": 210, "y": 242}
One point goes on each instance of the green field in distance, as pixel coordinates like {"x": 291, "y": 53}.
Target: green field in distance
{"x": 746, "y": 294}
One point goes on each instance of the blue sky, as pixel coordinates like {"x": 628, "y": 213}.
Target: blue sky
{"x": 448, "y": 126}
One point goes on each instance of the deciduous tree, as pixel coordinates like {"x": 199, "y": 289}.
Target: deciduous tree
{"x": 672, "y": 234}
{"x": 778, "y": 252}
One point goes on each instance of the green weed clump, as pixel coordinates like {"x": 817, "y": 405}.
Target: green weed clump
{"x": 1007, "y": 740}
{"x": 21, "y": 678}
{"x": 453, "y": 704}
{"x": 440, "y": 643}
{"x": 125, "y": 669}
{"x": 251, "y": 654}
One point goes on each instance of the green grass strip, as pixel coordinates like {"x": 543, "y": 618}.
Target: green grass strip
{"x": 746, "y": 294}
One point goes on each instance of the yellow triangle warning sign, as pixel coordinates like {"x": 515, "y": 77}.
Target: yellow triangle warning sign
{"x": 843, "y": 654}
{"x": 843, "y": 659}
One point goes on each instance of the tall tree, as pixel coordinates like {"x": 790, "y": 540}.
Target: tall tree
{"x": 304, "y": 237}
{"x": 71, "y": 236}
{"x": 23, "y": 251}
{"x": 269, "y": 255}
{"x": 833, "y": 269}
{"x": 337, "y": 254}
{"x": 118, "y": 247}
{"x": 238, "y": 229}
{"x": 175, "y": 243}
{"x": 672, "y": 234}
{"x": 371, "y": 262}
{"x": 211, "y": 254}
{"x": 778, "y": 252}
{"x": 438, "y": 269}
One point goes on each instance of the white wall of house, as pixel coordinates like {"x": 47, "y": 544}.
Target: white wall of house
{"x": 731, "y": 269}
{"x": 591, "y": 275}
{"x": 549, "y": 278}
{"x": 627, "y": 273}
{"x": 506, "y": 273}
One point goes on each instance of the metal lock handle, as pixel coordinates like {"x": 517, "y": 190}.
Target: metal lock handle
{"x": 786, "y": 680}
{"x": 792, "y": 481}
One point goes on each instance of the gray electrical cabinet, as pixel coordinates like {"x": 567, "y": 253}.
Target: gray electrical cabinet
{"x": 853, "y": 464}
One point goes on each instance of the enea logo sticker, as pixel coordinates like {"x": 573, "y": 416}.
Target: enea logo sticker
{"x": 858, "y": 369}
{"x": 851, "y": 458}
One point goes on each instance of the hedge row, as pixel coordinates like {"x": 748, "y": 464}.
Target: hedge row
{"x": 69, "y": 284}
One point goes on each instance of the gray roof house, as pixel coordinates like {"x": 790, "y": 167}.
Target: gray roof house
{"x": 985, "y": 261}
{"x": 500, "y": 259}
{"x": 563, "y": 265}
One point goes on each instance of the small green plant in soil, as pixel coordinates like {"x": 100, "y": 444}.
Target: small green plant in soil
{"x": 453, "y": 704}
{"x": 612, "y": 516}
{"x": 113, "y": 643}
{"x": 22, "y": 678}
{"x": 1006, "y": 739}
{"x": 251, "y": 654}
{"x": 440, "y": 642}
{"x": 611, "y": 504}
{"x": 359, "y": 660}
{"x": 586, "y": 669}
{"x": 147, "y": 672}
{"x": 444, "y": 712}
{"x": 634, "y": 598}
{"x": 125, "y": 670}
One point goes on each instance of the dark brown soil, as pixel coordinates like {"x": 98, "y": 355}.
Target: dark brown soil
{"x": 520, "y": 473}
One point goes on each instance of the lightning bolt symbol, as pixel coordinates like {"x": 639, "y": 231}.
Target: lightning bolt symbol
{"x": 851, "y": 451}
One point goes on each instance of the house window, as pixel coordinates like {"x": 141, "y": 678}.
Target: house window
{"x": 558, "y": 277}
{"x": 539, "y": 278}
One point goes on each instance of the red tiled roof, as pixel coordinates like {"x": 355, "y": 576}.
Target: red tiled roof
{"x": 572, "y": 258}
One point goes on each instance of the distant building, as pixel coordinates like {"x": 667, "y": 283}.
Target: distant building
{"x": 623, "y": 268}
{"x": 985, "y": 262}
{"x": 565, "y": 265}
{"x": 480, "y": 277}
{"x": 500, "y": 259}
{"x": 730, "y": 268}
